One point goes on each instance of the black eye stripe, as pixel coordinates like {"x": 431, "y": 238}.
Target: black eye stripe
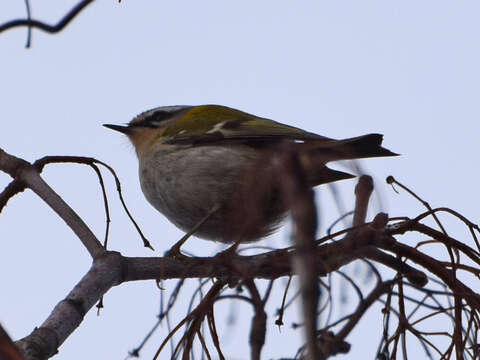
{"x": 154, "y": 119}
{"x": 159, "y": 116}
{"x": 144, "y": 123}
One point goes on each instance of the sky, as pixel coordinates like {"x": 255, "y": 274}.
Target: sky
{"x": 409, "y": 70}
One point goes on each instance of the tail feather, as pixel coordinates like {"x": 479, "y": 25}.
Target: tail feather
{"x": 323, "y": 175}
{"x": 353, "y": 148}
{"x": 314, "y": 156}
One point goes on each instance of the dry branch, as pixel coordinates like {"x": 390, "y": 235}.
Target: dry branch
{"x": 25, "y": 173}
{"x": 312, "y": 259}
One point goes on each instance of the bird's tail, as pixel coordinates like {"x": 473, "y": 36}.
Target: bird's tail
{"x": 353, "y": 148}
{"x": 315, "y": 155}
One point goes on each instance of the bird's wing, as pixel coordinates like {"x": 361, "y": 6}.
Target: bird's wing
{"x": 227, "y": 124}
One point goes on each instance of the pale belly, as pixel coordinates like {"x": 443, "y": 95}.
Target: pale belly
{"x": 186, "y": 190}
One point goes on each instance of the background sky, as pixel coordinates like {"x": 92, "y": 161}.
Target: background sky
{"x": 408, "y": 69}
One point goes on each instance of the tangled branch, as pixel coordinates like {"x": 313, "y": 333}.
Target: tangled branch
{"x": 413, "y": 287}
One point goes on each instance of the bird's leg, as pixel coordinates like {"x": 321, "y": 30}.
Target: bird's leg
{"x": 174, "y": 251}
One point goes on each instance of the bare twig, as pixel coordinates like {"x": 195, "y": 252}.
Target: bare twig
{"x": 16, "y": 186}
{"x": 258, "y": 329}
{"x": 30, "y": 23}
{"x": 197, "y": 316}
{"x": 29, "y": 18}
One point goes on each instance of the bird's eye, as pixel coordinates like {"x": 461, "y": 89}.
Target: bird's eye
{"x": 153, "y": 120}
{"x": 159, "y": 116}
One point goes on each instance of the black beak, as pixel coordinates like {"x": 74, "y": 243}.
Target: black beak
{"x": 123, "y": 129}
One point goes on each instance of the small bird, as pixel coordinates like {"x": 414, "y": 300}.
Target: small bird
{"x": 194, "y": 160}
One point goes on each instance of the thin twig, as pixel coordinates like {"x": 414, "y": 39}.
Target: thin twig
{"x": 46, "y": 27}
{"x": 29, "y": 29}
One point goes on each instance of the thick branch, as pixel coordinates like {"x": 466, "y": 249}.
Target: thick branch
{"x": 44, "y": 341}
{"x": 112, "y": 269}
{"x": 26, "y": 173}
{"x": 271, "y": 265}
{"x": 311, "y": 258}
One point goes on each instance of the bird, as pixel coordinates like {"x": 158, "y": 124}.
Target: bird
{"x": 194, "y": 162}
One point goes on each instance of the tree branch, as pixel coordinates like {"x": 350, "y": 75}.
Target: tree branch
{"x": 311, "y": 259}
{"x": 44, "y": 341}
{"x": 25, "y": 173}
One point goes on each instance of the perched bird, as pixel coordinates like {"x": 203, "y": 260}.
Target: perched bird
{"x": 194, "y": 160}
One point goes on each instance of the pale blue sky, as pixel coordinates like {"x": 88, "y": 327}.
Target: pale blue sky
{"x": 408, "y": 69}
